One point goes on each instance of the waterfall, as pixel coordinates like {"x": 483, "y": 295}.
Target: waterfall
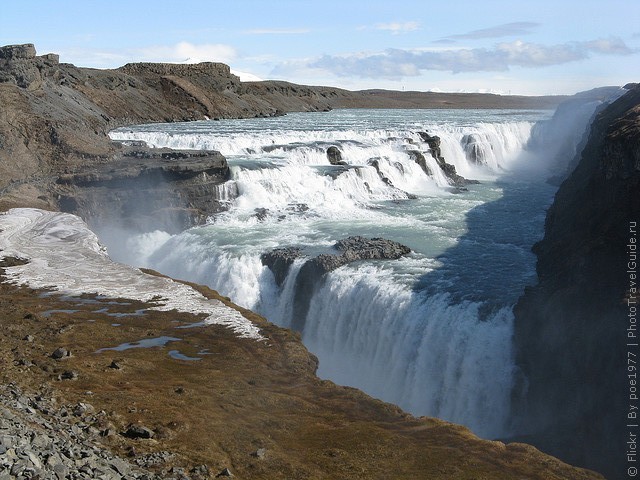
{"x": 430, "y": 332}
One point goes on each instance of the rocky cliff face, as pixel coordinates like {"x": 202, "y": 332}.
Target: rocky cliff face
{"x": 145, "y": 189}
{"x": 571, "y": 328}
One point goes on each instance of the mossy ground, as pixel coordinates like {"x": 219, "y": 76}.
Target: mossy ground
{"x": 240, "y": 396}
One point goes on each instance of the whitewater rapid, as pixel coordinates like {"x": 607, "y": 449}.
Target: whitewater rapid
{"x": 432, "y": 331}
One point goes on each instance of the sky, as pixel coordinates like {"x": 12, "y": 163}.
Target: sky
{"x": 510, "y": 47}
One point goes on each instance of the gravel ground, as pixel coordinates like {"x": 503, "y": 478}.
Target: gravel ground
{"x": 42, "y": 440}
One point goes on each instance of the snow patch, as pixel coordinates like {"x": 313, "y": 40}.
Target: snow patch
{"x": 65, "y": 255}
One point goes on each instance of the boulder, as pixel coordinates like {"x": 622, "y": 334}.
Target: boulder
{"x": 68, "y": 375}
{"x": 137, "y": 431}
{"x": 334, "y": 155}
{"x": 60, "y": 353}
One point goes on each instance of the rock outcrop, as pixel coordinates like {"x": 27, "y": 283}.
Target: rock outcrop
{"x": 280, "y": 260}
{"x": 310, "y": 276}
{"x": 418, "y": 157}
{"x": 433, "y": 141}
{"x": 573, "y": 327}
{"x": 147, "y": 189}
{"x": 334, "y": 155}
{"x": 20, "y": 65}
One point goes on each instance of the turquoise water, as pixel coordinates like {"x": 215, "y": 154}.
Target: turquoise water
{"x": 430, "y": 332}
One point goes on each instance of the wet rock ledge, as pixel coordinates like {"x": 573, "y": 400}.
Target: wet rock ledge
{"x": 146, "y": 188}
{"x": 312, "y": 272}
{"x": 352, "y": 249}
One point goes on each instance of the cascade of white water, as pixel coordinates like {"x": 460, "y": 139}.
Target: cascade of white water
{"x": 430, "y": 351}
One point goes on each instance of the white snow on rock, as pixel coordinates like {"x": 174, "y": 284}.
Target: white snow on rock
{"x": 65, "y": 255}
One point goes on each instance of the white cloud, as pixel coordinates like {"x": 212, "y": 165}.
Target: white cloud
{"x": 398, "y": 27}
{"x": 610, "y": 45}
{"x": 504, "y": 30}
{"x": 398, "y": 63}
{"x": 277, "y": 31}
{"x": 185, "y": 51}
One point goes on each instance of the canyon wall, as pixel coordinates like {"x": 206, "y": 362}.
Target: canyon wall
{"x": 571, "y": 329}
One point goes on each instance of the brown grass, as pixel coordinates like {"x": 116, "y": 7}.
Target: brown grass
{"x": 242, "y": 396}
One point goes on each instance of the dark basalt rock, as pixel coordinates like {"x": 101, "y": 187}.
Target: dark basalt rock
{"x": 418, "y": 157}
{"x": 361, "y": 248}
{"x": 145, "y": 188}
{"x": 375, "y": 163}
{"x": 311, "y": 274}
{"x": 471, "y": 145}
{"x": 138, "y": 431}
{"x": 334, "y": 155}
{"x": 279, "y": 261}
{"x": 261, "y": 214}
{"x": 433, "y": 141}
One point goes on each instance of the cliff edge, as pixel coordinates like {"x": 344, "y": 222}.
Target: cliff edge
{"x": 573, "y": 328}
